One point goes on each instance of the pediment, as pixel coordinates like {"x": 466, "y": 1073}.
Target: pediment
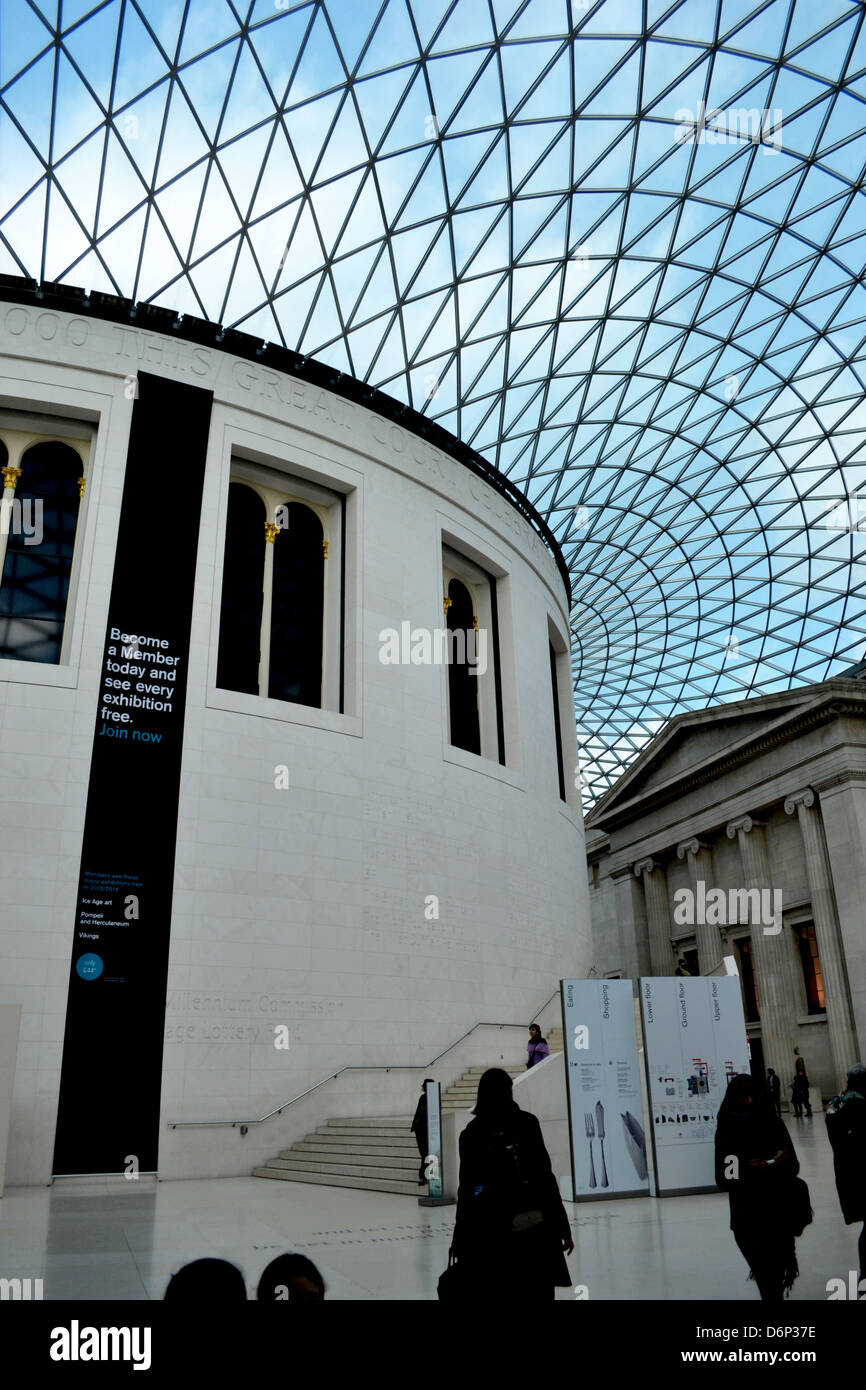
{"x": 694, "y": 738}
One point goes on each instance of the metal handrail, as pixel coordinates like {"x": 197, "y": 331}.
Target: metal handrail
{"x": 332, "y": 1076}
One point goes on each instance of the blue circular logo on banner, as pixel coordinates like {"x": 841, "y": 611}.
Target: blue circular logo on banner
{"x": 89, "y": 967}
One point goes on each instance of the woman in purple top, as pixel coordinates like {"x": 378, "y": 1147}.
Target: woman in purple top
{"x": 537, "y": 1048}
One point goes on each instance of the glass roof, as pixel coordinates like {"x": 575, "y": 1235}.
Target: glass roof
{"x": 617, "y": 246}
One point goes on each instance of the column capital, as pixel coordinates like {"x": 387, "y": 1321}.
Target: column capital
{"x": 644, "y": 866}
{"x": 804, "y": 798}
{"x": 744, "y": 823}
{"x": 624, "y": 871}
{"x": 692, "y": 846}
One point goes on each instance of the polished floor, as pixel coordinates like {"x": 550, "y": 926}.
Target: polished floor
{"x": 90, "y": 1239}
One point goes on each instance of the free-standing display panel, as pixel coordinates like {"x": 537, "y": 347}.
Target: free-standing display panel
{"x": 694, "y": 1041}
{"x": 608, "y": 1140}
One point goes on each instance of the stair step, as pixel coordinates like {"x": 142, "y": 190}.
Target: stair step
{"x": 312, "y": 1146}
{"x": 474, "y": 1079}
{"x": 309, "y": 1153}
{"x": 322, "y": 1145}
{"x": 344, "y": 1133}
{"x": 373, "y": 1121}
{"x": 514, "y": 1069}
{"x": 338, "y": 1180}
{"x": 349, "y": 1168}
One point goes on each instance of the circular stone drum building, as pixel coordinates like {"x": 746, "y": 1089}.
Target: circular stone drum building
{"x": 288, "y": 754}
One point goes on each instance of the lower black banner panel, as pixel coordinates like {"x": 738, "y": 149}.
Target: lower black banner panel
{"x": 108, "y": 1118}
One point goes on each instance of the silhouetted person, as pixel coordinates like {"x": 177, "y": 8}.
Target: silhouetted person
{"x": 537, "y": 1048}
{"x": 800, "y": 1090}
{"x": 419, "y": 1129}
{"x": 846, "y": 1128}
{"x": 755, "y": 1165}
{"x": 774, "y": 1092}
{"x": 511, "y": 1227}
{"x": 207, "y": 1281}
{"x": 682, "y": 967}
{"x": 291, "y": 1279}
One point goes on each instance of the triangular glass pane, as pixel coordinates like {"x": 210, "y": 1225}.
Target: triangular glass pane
{"x": 206, "y": 23}
{"x": 352, "y": 25}
{"x": 378, "y": 98}
{"x": 205, "y": 83}
{"x": 92, "y": 47}
{"x": 394, "y": 41}
{"x": 277, "y": 46}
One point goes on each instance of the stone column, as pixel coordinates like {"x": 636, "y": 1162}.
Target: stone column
{"x": 700, "y": 866}
{"x": 658, "y": 916}
{"x": 631, "y": 915}
{"x": 777, "y": 1001}
{"x": 272, "y": 530}
{"x": 840, "y": 1023}
{"x": 11, "y": 474}
{"x": 843, "y": 815}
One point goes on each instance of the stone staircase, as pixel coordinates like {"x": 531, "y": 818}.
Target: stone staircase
{"x": 462, "y": 1095}
{"x": 377, "y": 1153}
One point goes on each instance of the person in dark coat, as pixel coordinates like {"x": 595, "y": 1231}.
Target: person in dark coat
{"x": 755, "y": 1165}
{"x": 774, "y": 1092}
{"x": 419, "y": 1129}
{"x": 846, "y": 1129}
{"x": 207, "y": 1281}
{"x": 537, "y": 1049}
{"x": 800, "y": 1090}
{"x": 511, "y": 1225}
{"x": 291, "y": 1279}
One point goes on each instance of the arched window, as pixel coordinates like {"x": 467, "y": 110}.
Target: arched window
{"x": 557, "y": 725}
{"x": 243, "y": 576}
{"x": 298, "y": 592}
{"x": 462, "y": 680}
{"x": 272, "y": 624}
{"x": 39, "y": 521}
{"x": 476, "y": 712}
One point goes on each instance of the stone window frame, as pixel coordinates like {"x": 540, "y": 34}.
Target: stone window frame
{"x": 479, "y": 582}
{"x": 21, "y": 430}
{"x": 278, "y": 486}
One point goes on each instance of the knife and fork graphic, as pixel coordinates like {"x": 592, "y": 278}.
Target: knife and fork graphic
{"x": 595, "y": 1129}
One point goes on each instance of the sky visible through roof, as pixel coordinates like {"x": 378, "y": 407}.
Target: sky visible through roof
{"x": 615, "y": 246}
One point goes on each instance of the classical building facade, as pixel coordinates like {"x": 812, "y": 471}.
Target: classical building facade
{"x": 741, "y": 831}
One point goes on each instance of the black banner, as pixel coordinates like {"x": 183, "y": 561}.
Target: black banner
{"x": 108, "y": 1117}
{"x": 65, "y": 1339}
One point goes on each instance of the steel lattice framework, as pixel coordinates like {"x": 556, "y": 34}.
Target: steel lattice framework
{"x": 616, "y": 246}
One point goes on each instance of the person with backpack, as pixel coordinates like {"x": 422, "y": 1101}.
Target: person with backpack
{"x": 756, "y": 1165}
{"x": 512, "y": 1231}
{"x": 846, "y": 1130}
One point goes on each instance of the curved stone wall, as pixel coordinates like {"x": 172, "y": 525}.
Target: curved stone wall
{"x": 347, "y": 875}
